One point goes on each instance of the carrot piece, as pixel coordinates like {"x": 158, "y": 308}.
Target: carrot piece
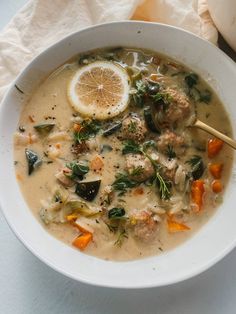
{"x": 216, "y": 186}
{"x": 96, "y": 163}
{"x": 216, "y": 170}
{"x": 58, "y": 145}
{"x": 197, "y": 190}
{"x": 174, "y": 226}
{"x": 82, "y": 241}
{"x": 19, "y": 177}
{"x": 214, "y": 147}
{"x": 154, "y": 77}
{"x": 77, "y": 127}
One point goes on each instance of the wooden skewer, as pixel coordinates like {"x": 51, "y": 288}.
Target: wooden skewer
{"x": 201, "y": 125}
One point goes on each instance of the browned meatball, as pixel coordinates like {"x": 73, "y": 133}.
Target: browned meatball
{"x": 143, "y": 224}
{"x": 179, "y": 107}
{"x": 133, "y": 128}
{"x": 139, "y": 167}
{"x": 169, "y": 138}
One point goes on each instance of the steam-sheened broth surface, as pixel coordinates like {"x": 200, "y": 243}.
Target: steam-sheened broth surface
{"x": 151, "y": 179}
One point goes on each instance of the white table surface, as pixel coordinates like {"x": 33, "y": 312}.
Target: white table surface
{"x": 27, "y": 286}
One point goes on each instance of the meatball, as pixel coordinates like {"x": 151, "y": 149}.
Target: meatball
{"x": 170, "y": 139}
{"x": 179, "y": 107}
{"x": 139, "y": 167}
{"x": 143, "y": 223}
{"x": 133, "y": 128}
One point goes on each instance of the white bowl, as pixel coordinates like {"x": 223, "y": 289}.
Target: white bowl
{"x": 213, "y": 241}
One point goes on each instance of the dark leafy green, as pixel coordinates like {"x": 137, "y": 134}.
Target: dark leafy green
{"x": 197, "y": 166}
{"x": 89, "y": 128}
{"x": 33, "y": 160}
{"x": 123, "y": 182}
{"x": 116, "y": 213}
{"x": 105, "y": 148}
{"x": 191, "y": 79}
{"x": 78, "y": 170}
{"x": 130, "y": 147}
{"x": 88, "y": 190}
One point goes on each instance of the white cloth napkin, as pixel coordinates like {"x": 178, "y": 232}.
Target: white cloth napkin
{"x": 41, "y": 23}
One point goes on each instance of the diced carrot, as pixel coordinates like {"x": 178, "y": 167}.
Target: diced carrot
{"x": 138, "y": 191}
{"x": 31, "y": 119}
{"x": 96, "y": 163}
{"x": 58, "y": 145}
{"x": 216, "y": 170}
{"x": 174, "y": 226}
{"x": 77, "y": 127}
{"x": 214, "y": 147}
{"x": 197, "y": 190}
{"x": 72, "y": 217}
{"x": 82, "y": 241}
{"x": 217, "y": 186}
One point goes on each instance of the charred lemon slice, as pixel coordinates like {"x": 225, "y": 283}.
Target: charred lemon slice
{"x": 99, "y": 90}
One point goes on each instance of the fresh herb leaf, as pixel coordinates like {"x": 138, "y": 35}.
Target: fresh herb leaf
{"x": 132, "y": 127}
{"x": 163, "y": 186}
{"x": 136, "y": 171}
{"x": 89, "y": 128}
{"x": 116, "y": 213}
{"x": 131, "y": 147}
{"x": 163, "y": 97}
{"x": 122, "y": 236}
{"x": 170, "y": 152}
{"x": 33, "y": 160}
{"x": 78, "y": 170}
{"x": 197, "y": 166}
{"x": 140, "y": 92}
{"x": 191, "y": 79}
{"x": 123, "y": 182}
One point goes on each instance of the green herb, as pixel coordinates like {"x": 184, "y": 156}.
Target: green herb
{"x": 191, "y": 79}
{"x": 197, "y": 166}
{"x": 78, "y": 170}
{"x": 123, "y": 182}
{"x": 205, "y": 96}
{"x": 44, "y": 128}
{"x": 116, "y": 213}
{"x": 131, "y": 147}
{"x": 140, "y": 91}
{"x": 112, "y": 128}
{"x": 122, "y": 236}
{"x": 33, "y": 160}
{"x": 163, "y": 186}
{"x": 88, "y": 190}
{"x": 112, "y": 228}
{"x": 136, "y": 171}
{"x": 164, "y": 98}
{"x": 170, "y": 152}
{"x": 132, "y": 127}
{"x": 89, "y": 128}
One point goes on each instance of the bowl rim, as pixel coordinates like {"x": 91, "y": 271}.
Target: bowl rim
{"x": 188, "y": 275}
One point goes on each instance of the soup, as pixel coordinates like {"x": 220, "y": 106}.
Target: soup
{"x": 106, "y": 157}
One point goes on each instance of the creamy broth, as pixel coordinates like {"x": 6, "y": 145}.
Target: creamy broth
{"x": 148, "y": 220}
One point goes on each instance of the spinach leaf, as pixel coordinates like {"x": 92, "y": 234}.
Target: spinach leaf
{"x": 78, "y": 170}
{"x": 191, "y": 79}
{"x": 116, "y": 213}
{"x": 44, "y": 128}
{"x": 112, "y": 128}
{"x": 197, "y": 166}
{"x": 123, "y": 182}
{"x": 147, "y": 112}
{"x": 131, "y": 147}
